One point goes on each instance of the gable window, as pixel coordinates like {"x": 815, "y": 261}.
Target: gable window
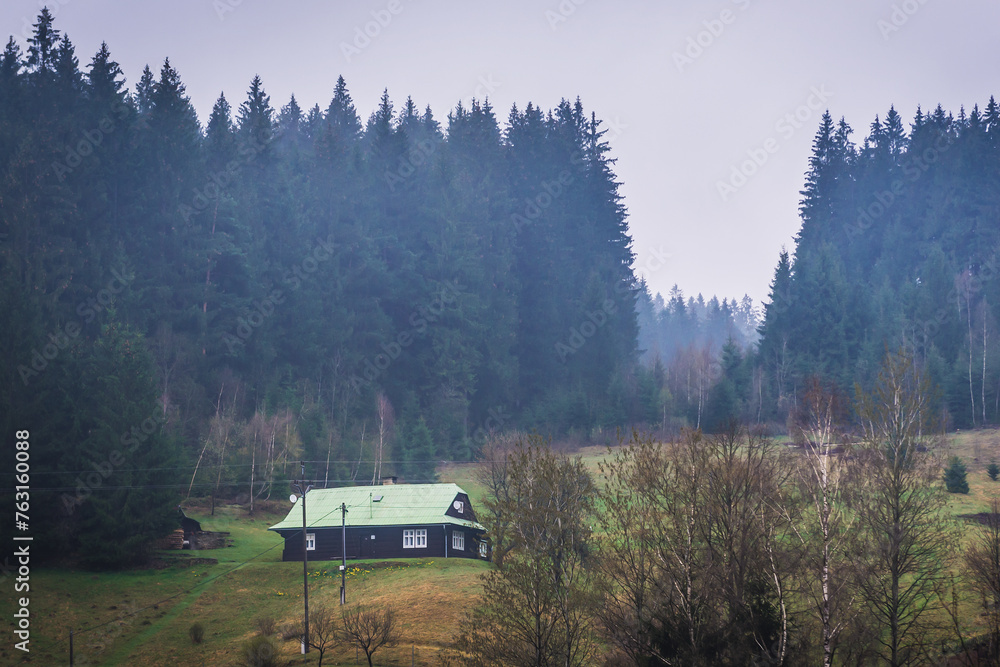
{"x": 310, "y": 541}
{"x": 459, "y": 506}
{"x": 415, "y": 538}
{"x": 458, "y": 540}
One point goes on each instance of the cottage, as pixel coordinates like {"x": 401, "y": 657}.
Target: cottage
{"x": 388, "y": 521}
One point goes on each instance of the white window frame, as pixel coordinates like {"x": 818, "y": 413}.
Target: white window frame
{"x": 460, "y": 507}
{"x": 458, "y": 540}
{"x": 310, "y": 541}
{"x": 415, "y": 538}
{"x": 483, "y": 550}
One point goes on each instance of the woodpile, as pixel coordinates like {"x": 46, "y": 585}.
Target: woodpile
{"x": 174, "y": 540}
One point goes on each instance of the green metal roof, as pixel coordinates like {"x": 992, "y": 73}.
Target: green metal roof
{"x": 401, "y": 505}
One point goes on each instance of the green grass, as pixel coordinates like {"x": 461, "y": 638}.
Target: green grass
{"x": 144, "y": 615}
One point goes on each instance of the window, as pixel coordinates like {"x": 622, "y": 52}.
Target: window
{"x": 458, "y": 540}
{"x": 310, "y": 541}
{"x": 459, "y": 506}
{"x": 415, "y": 539}
{"x": 483, "y": 550}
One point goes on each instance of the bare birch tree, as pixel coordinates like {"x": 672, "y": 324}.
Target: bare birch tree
{"x": 385, "y": 423}
{"x": 818, "y": 425}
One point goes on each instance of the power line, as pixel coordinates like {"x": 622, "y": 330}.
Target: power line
{"x": 237, "y": 465}
{"x": 104, "y": 487}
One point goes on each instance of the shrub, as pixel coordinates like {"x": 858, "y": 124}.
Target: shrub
{"x": 196, "y": 632}
{"x": 260, "y": 651}
{"x": 954, "y": 476}
{"x": 993, "y": 470}
{"x": 289, "y": 631}
{"x": 265, "y": 625}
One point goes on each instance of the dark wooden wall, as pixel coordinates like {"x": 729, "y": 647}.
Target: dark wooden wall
{"x": 387, "y": 543}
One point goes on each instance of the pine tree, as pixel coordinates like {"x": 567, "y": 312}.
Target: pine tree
{"x": 776, "y": 329}
{"x": 255, "y": 124}
{"x": 220, "y": 140}
{"x": 341, "y": 116}
{"x": 106, "y": 82}
{"x": 955, "y": 476}
{"x": 42, "y": 46}
{"x": 144, "y": 91}
{"x": 420, "y": 454}
{"x": 122, "y": 437}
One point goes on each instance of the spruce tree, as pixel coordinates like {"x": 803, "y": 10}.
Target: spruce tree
{"x": 42, "y": 46}
{"x": 955, "y": 476}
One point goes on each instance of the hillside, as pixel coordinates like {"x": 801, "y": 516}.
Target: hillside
{"x": 898, "y": 248}
{"x": 146, "y": 614}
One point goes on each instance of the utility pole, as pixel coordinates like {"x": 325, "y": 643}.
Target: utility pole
{"x": 343, "y": 553}
{"x": 303, "y": 488}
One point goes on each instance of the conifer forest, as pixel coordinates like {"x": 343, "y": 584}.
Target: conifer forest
{"x": 194, "y": 305}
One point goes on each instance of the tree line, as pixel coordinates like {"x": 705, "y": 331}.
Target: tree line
{"x": 730, "y": 549}
{"x": 284, "y": 284}
{"x": 898, "y": 247}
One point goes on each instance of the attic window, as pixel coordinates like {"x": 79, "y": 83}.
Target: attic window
{"x": 375, "y": 499}
{"x": 459, "y": 506}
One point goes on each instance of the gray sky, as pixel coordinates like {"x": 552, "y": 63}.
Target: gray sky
{"x": 690, "y": 91}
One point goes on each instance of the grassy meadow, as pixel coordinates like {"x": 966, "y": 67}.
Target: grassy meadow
{"x": 143, "y": 617}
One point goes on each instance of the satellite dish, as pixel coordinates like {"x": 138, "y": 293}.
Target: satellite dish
{"x": 293, "y": 498}
{"x": 457, "y": 505}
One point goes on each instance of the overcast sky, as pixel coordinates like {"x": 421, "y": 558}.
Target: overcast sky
{"x": 689, "y": 91}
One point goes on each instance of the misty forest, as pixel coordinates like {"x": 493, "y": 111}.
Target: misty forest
{"x": 198, "y": 304}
